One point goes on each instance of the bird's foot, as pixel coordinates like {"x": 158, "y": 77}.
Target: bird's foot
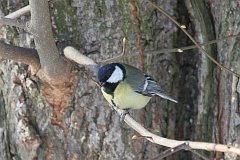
{"x": 123, "y": 114}
{"x": 111, "y": 106}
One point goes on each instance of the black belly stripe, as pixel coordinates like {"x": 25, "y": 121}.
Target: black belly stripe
{"x": 109, "y": 88}
{"x": 113, "y": 103}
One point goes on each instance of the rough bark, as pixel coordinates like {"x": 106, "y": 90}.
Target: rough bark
{"x": 206, "y": 71}
{"x": 227, "y": 109}
{"x": 89, "y": 129}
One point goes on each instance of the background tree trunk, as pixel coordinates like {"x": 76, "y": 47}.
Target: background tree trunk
{"x": 208, "y": 108}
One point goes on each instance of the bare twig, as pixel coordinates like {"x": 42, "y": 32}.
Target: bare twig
{"x": 19, "y": 54}
{"x": 192, "y": 39}
{"x": 181, "y": 49}
{"x": 124, "y": 41}
{"x": 19, "y": 12}
{"x": 198, "y": 154}
{"x": 12, "y": 22}
{"x": 171, "y": 50}
{"x": 180, "y": 147}
{"x": 74, "y": 55}
{"x": 148, "y": 135}
{"x": 122, "y": 55}
{"x": 173, "y": 143}
{"x": 170, "y": 151}
{"x": 10, "y": 18}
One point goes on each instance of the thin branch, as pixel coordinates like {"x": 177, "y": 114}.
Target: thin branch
{"x": 180, "y": 147}
{"x": 170, "y": 151}
{"x": 12, "y": 22}
{"x": 171, "y": 50}
{"x": 74, "y": 55}
{"x": 181, "y": 49}
{"x": 192, "y": 39}
{"x": 173, "y": 143}
{"x": 52, "y": 63}
{"x": 19, "y": 12}
{"x": 144, "y": 132}
{"x": 10, "y": 19}
{"x": 19, "y": 54}
{"x": 198, "y": 154}
{"x": 121, "y": 56}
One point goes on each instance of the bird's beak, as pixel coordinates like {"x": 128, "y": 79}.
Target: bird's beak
{"x": 101, "y": 84}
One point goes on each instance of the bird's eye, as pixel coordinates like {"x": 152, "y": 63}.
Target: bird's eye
{"x": 108, "y": 75}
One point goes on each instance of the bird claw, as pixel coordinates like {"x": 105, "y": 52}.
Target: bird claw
{"x": 123, "y": 114}
{"x": 111, "y": 106}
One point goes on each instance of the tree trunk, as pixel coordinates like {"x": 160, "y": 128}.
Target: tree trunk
{"x": 208, "y": 108}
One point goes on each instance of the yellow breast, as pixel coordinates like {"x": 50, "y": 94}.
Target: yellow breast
{"x": 125, "y": 97}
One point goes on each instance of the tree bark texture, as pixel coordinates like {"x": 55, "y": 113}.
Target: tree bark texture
{"x": 208, "y": 108}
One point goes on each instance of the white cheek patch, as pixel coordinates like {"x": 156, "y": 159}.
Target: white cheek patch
{"x": 116, "y": 76}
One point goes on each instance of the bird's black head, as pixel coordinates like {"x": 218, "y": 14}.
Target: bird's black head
{"x": 110, "y": 75}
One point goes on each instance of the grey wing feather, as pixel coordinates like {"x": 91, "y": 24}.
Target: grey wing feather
{"x": 144, "y": 84}
{"x": 151, "y": 88}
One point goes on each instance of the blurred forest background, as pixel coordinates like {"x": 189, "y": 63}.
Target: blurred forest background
{"x": 208, "y": 108}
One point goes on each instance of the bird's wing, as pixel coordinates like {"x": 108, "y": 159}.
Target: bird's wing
{"x": 151, "y": 88}
{"x": 144, "y": 84}
{"x": 135, "y": 77}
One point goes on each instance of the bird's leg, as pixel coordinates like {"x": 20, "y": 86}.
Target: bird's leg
{"x": 111, "y": 106}
{"x": 123, "y": 114}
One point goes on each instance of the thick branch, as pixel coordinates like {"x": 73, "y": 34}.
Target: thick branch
{"x": 19, "y": 54}
{"x": 145, "y": 133}
{"x": 51, "y": 62}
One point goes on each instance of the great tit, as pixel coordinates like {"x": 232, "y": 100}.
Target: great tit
{"x": 126, "y": 87}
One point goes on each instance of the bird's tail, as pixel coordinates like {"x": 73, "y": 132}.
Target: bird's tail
{"x": 153, "y": 89}
{"x": 166, "y": 96}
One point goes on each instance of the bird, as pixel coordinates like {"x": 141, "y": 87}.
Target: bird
{"x": 127, "y": 87}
